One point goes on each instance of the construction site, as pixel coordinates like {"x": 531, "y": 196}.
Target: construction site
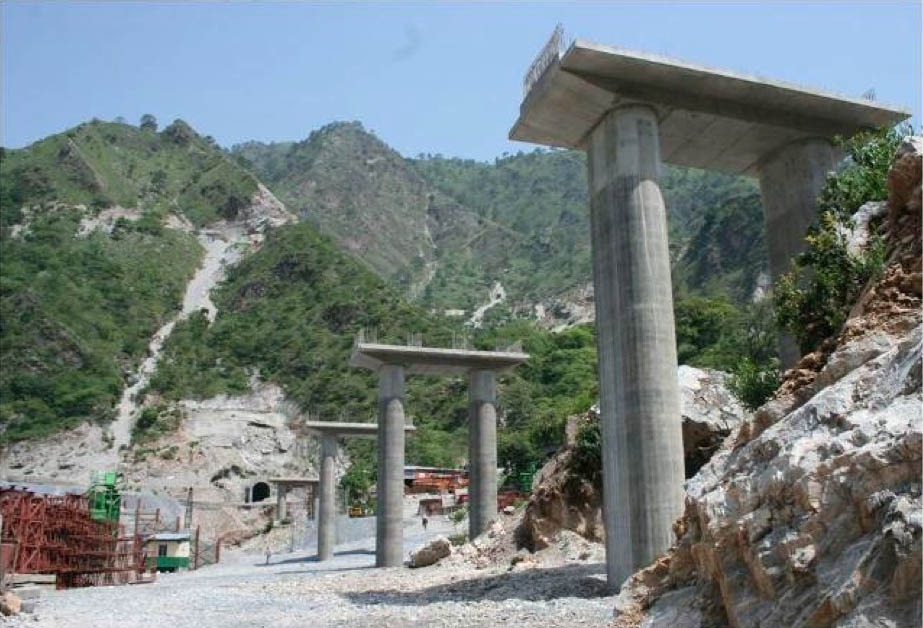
{"x": 56, "y": 538}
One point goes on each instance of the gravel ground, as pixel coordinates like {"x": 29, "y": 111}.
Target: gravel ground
{"x": 295, "y": 590}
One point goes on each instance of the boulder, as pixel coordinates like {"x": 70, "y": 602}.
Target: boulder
{"x": 709, "y": 411}
{"x": 10, "y": 604}
{"x": 904, "y": 176}
{"x": 431, "y": 553}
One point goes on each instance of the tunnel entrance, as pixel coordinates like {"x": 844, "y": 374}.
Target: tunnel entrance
{"x": 259, "y": 492}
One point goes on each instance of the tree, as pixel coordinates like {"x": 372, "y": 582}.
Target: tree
{"x": 148, "y": 123}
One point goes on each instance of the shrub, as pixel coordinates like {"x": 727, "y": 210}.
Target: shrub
{"x": 458, "y": 539}
{"x": 864, "y": 178}
{"x": 457, "y": 516}
{"x": 754, "y": 383}
{"x": 586, "y": 460}
{"x": 813, "y": 300}
{"x": 155, "y": 421}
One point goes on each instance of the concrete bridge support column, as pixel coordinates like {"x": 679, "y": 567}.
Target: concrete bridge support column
{"x": 790, "y": 180}
{"x": 482, "y": 451}
{"x": 389, "y": 532}
{"x": 326, "y": 516}
{"x": 639, "y": 393}
{"x": 281, "y": 492}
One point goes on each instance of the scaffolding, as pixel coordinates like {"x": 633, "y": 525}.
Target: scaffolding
{"x": 61, "y": 535}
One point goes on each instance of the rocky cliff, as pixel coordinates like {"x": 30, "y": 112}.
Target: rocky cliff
{"x": 810, "y": 514}
{"x": 564, "y": 498}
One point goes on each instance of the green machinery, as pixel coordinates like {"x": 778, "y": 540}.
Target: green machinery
{"x": 103, "y": 495}
{"x": 524, "y": 479}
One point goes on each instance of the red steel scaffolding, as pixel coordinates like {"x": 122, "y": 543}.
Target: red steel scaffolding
{"x": 55, "y": 534}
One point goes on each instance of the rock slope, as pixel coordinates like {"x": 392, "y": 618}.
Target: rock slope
{"x": 810, "y": 515}
{"x": 563, "y": 499}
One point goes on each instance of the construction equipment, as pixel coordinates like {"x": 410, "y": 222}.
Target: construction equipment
{"x": 105, "y": 501}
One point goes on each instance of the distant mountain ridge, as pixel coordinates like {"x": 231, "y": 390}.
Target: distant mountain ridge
{"x": 79, "y": 303}
{"x": 447, "y": 230}
{"x": 97, "y": 248}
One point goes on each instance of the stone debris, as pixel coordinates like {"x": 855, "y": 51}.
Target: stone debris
{"x": 10, "y": 604}
{"x": 432, "y": 552}
{"x": 295, "y": 590}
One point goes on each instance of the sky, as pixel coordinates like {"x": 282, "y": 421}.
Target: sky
{"x": 440, "y": 78}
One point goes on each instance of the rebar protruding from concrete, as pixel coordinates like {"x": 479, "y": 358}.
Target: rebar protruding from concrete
{"x": 639, "y": 392}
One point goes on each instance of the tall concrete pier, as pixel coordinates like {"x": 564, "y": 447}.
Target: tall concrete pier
{"x": 389, "y": 543}
{"x": 481, "y": 367}
{"x": 326, "y": 532}
{"x": 482, "y": 450}
{"x": 790, "y": 180}
{"x": 637, "y": 345}
{"x": 389, "y": 532}
{"x": 630, "y": 110}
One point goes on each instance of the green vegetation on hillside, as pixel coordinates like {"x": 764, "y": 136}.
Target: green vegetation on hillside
{"x": 814, "y": 299}
{"x": 101, "y": 164}
{"x": 459, "y": 225}
{"x": 291, "y": 312}
{"x": 353, "y": 187}
{"x": 78, "y": 312}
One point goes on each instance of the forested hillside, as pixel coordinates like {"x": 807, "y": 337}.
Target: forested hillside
{"x": 81, "y": 297}
{"x": 444, "y": 229}
{"x": 291, "y": 313}
{"x": 79, "y": 310}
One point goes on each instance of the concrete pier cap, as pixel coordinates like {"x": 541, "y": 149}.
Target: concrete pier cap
{"x": 709, "y": 118}
{"x": 329, "y": 432}
{"x": 392, "y": 362}
{"x": 630, "y": 111}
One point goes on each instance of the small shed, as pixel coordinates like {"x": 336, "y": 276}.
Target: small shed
{"x": 167, "y": 551}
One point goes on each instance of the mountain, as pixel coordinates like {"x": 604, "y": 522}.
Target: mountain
{"x": 96, "y": 250}
{"x": 449, "y": 230}
{"x": 102, "y": 164}
{"x": 362, "y": 193}
{"x": 105, "y": 215}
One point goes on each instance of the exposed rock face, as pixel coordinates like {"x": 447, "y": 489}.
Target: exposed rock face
{"x": 709, "y": 410}
{"x": 265, "y": 210}
{"x": 561, "y": 499}
{"x": 904, "y": 177}
{"x": 432, "y": 552}
{"x": 810, "y": 515}
{"x": 223, "y": 446}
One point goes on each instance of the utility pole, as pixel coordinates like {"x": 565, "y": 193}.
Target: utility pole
{"x": 189, "y": 508}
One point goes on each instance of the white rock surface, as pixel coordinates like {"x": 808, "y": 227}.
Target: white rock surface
{"x": 811, "y": 515}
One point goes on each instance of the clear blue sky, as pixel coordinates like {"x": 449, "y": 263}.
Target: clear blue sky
{"x": 438, "y": 78}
